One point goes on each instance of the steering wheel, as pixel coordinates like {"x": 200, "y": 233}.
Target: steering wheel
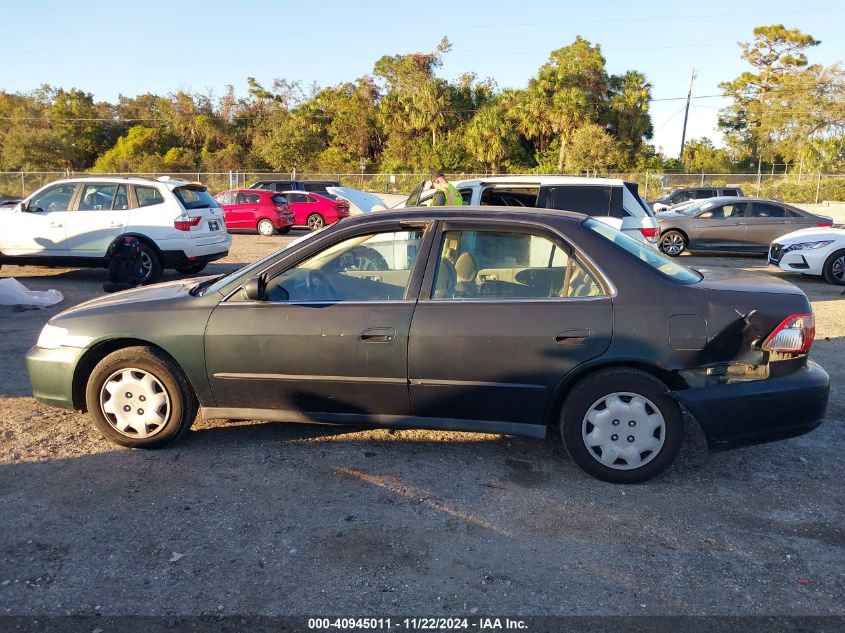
{"x": 319, "y": 286}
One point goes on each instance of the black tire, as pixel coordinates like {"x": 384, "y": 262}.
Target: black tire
{"x": 673, "y": 243}
{"x": 151, "y": 265}
{"x": 575, "y": 424}
{"x": 181, "y": 407}
{"x": 193, "y": 268}
{"x": 833, "y": 270}
{"x": 265, "y": 227}
{"x": 315, "y": 221}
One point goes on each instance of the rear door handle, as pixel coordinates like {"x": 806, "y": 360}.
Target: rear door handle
{"x": 378, "y": 335}
{"x": 573, "y": 337}
{"x": 116, "y": 225}
{"x": 56, "y": 225}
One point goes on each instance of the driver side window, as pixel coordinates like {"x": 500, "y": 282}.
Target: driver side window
{"x": 371, "y": 267}
{"x": 53, "y": 199}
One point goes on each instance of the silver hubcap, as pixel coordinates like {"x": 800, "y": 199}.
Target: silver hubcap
{"x": 135, "y": 403}
{"x": 265, "y": 228}
{"x": 838, "y": 268}
{"x": 673, "y": 244}
{"x": 146, "y": 265}
{"x": 623, "y": 430}
{"x": 315, "y": 222}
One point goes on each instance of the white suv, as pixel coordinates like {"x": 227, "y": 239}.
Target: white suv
{"x": 615, "y": 202}
{"x": 74, "y": 222}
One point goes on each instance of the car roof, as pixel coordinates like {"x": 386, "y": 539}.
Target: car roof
{"x": 171, "y": 183}
{"x": 475, "y": 212}
{"x": 541, "y": 180}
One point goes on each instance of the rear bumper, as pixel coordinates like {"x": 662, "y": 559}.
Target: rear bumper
{"x": 178, "y": 259}
{"x": 759, "y": 411}
{"x": 51, "y": 374}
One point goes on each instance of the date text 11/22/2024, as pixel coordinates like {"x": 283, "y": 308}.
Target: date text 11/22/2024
{"x": 417, "y": 624}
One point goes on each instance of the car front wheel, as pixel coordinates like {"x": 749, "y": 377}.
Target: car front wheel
{"x": 673, "y": 243}
{"x": 139, "y": 398}
{"x": 621, "y": 426}
{"x": 834, "y": 268}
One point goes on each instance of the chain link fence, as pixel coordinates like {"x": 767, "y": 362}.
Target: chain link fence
{"x": 796, "y": 188}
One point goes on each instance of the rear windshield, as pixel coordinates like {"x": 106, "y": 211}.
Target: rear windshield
{"x": 647, "y": 255}
{"x": 195, "y": 197}
{"x": 279, "y": 199}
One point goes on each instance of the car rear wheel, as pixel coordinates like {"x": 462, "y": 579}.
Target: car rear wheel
{"x": 266, "y": 228}
{"x": 150, "y": 265}
{"x": 834, "y": 268}
{"x": 193, "y": 268}
{"x": 315, "y": 222}
{"x": 139, "y": 398}
{"x": 621, "y": 426}
{"x": 673, "y": 243}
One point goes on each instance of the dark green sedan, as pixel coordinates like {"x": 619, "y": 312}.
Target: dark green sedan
{"x": 482, "y": 319}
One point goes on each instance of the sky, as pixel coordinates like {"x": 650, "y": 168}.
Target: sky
{"x": 112, "y": 48}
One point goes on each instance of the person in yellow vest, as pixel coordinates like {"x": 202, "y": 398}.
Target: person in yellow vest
{"x": 445, "y": 194}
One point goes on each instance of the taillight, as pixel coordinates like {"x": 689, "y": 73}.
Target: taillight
{"x": 651, "y": 234}
{"x": 185, "y": 222}
{"x": 824, "y": 224}
{"x": 793, "y": 336}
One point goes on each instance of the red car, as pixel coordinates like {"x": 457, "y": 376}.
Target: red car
{"x": 316, "y": 210}
{"x": 256, "y": 210}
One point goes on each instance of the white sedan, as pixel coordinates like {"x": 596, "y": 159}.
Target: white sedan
{"x": 812, "y": 251}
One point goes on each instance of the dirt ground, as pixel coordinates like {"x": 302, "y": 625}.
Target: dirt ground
{"x": 284, "y": 519}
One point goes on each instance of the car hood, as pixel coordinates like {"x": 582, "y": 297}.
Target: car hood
{"x": 668, "y": 215}
{"x": 157, "y": 292}
{"x": 812, "y": 234}
{"x": 362, "y": 201}
{"x": 743, "y": 281}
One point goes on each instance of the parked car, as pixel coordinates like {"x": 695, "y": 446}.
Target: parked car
{"x": 812, "y": 251}
{"x": 75, "y": 222}
{"x": 616, "y": 202}
{"x": 499, "y": 320}
{"x": 677, "y": 196}
{"x": 294, "y": 185}
{"x": 316, "y": 210}
{"x": 731, "y": 224}
{"x": 256, "y": 210}
{"x": 9, "y": 201}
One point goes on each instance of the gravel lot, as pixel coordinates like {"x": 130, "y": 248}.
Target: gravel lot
{"x": 276, "y": 519}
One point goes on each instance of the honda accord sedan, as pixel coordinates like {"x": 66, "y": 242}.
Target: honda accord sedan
{"x": 516, "y": 322}
{"x": 731, "y": 224}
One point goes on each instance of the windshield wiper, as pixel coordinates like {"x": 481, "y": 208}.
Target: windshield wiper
{"x": 196, "y": 290}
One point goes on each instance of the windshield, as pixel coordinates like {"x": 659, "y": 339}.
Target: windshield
{"x": 195, "y": 197}
{"x": 226, "y": 279}
{"x": 694, "y": 208}
{"x": 647, "y": 255}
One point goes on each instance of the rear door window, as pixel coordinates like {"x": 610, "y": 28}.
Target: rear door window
{"x": 148, "y": 196}
{"x": 97, "y": 197}
{"x": 705, "y": 193}
{"x": 248, "y": 198}
{"x": 590, "y": 200}
{"x": 764, "y": 210}
{"x": 279, "y": 199}
{"x": 508, "y": 196}
{"x": 730, "y": 192}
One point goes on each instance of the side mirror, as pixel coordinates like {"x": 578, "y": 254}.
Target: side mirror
{"x": 254, "y": 289}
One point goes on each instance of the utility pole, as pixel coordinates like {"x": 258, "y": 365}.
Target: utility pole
{"x": 686, "y": 116}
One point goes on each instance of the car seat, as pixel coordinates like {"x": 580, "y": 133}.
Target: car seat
{"x": 466, "y": 271}
{"x": 444, "y": 283}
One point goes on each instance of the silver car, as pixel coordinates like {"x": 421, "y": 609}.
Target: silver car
{"x": 731, "y": 224}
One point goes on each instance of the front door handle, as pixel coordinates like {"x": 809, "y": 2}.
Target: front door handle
{"x": 56, "y": 225}
{"x": 573, "y": 337}
{"x": 116, "y": 225}
{"x": 378, "y": 335}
